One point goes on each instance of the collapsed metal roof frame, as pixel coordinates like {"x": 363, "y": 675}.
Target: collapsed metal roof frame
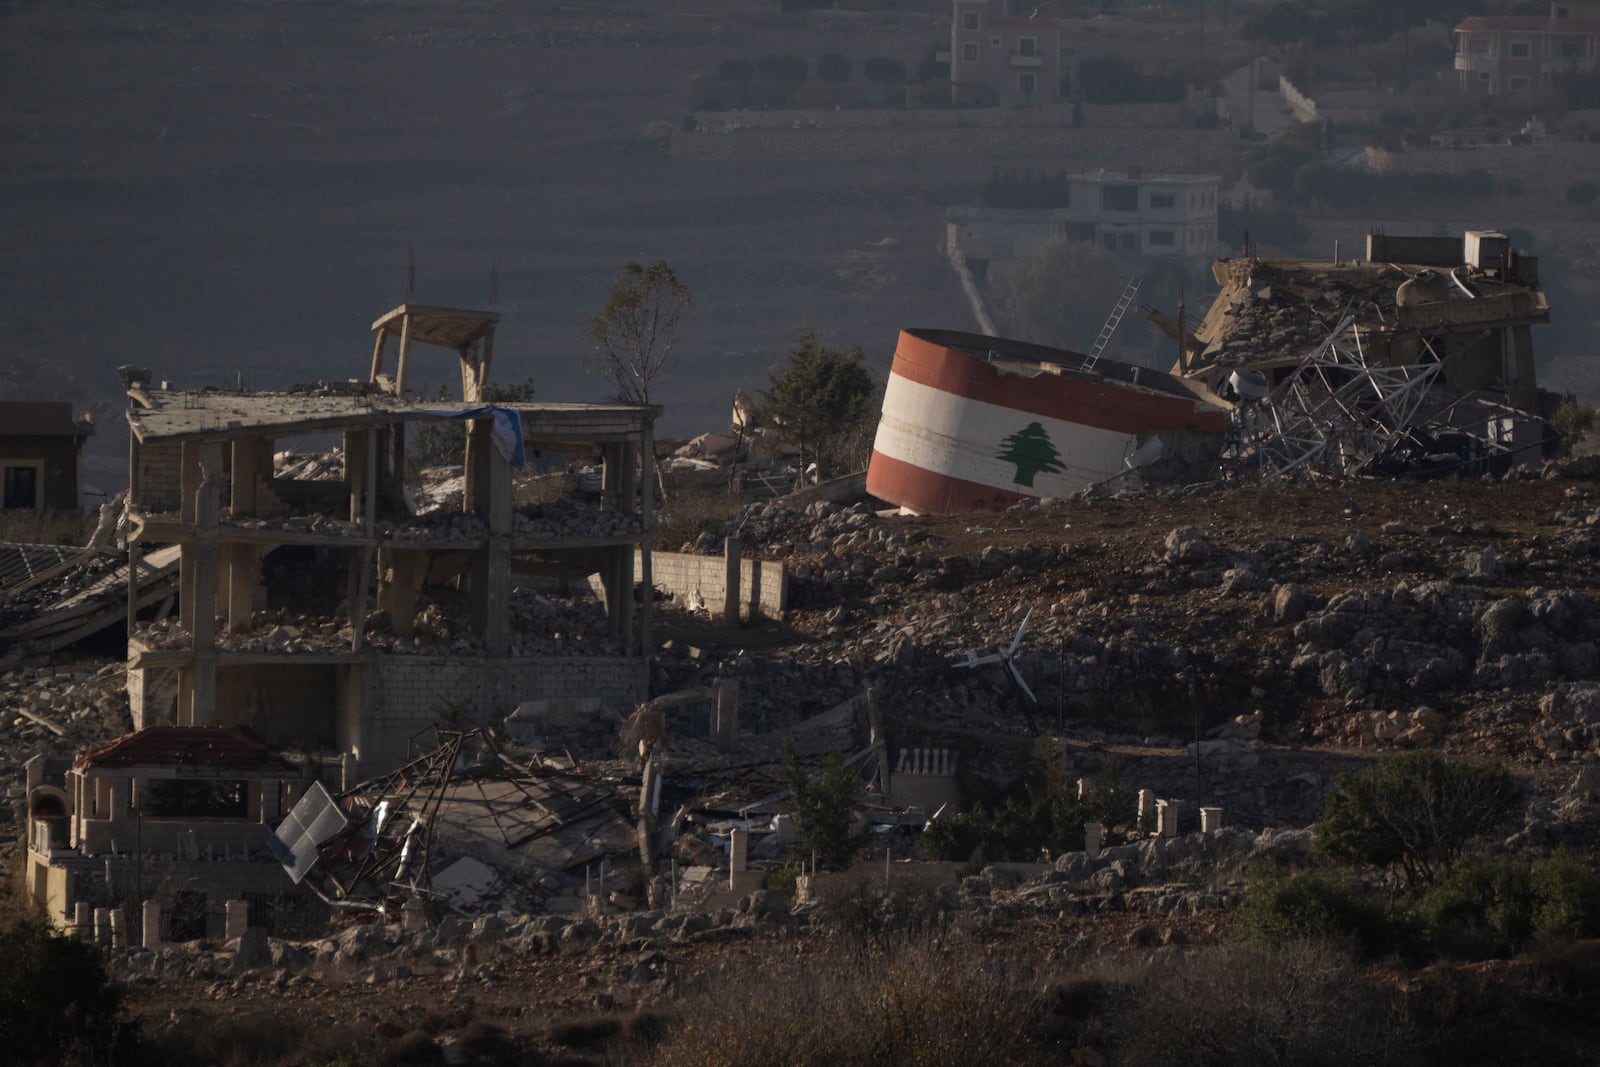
{"x": 1334, "y": 411}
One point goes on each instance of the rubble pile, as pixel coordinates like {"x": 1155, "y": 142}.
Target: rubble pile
{"x": 568, "y": 519}
{"x": 1277, "y": 310}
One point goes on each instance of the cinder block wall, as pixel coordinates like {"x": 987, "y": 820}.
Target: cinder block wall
{"x": 160, "y": 486}
{"x": 402, "y": 696}
{"x": 680, "y": 574}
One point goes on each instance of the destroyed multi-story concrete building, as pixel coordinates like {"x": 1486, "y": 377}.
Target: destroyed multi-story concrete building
{"x": 321, "y": 610}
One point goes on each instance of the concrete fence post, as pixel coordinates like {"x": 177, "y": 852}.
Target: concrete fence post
{"x": 236, "y": 919}
{"x": 83, "y": 920}
{"x": 1210, "y": 820}
{"x": 1091, "y": 838}
{"x": 1147, "y": 807}
{"x": 102, "y": 926}
{"x": 1167, "y": 817}
{"x": 738, "y": 854}
{"x": 150, "y": 934}
{"x": 119, "y": 929}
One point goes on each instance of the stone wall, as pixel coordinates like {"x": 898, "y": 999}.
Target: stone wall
{"x": 681, "y": 574}
{"x": 403, "y": 696}
{"x": 160, "y": 486}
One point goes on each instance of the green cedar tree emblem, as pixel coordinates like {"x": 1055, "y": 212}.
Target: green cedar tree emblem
{"x": 1033, "y": 453}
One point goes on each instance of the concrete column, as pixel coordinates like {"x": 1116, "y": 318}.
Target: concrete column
{"x": 738, "y": 854}
{"x": 1167, "y": 817}
{"x": 152, "y": 925}
{"x": 242, "y": 569}
{"x": 1091, "y": 838}
{"x": 83, "y": 919}
{"x": 804, "y": 888}
{"x": 1085, "y": 790}
{"x": 1210, "y": 820}
{"x": 1147, "y": 806}
{"x": 413, "y": 916}
{"x": 732, "y": 553}
{"x": 236, "y": 919}
{"x": 119, "y": 929}
{"x": 727, "y": 712}
{"x": 102, "y": 926}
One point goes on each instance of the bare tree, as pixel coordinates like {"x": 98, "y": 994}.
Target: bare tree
{"x": 636, "y": 330}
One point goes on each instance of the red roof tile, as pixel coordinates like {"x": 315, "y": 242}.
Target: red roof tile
{"x": 185, "y": 746}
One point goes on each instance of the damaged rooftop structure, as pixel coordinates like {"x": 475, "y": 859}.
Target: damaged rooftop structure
{"x": 1350, "y": 366}
{"x": 1416, "y": 361}
{"x": 322, "y": 609}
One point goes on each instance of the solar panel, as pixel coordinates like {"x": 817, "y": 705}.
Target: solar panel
{"x": 315, "y": 821}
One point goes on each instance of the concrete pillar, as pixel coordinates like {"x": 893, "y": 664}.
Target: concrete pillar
{"x": 738, "y": 854}
{"x": 119, "y": 929}
{"x": 1091, "y": 838}
{"x": 151, "y": 923}
{"x": 732, "y": 554}
{"x": 1085, "y": 790}
{"x": 804, "y": 888}
{"x": 102, "y": 926}
{"x": 413, "y": 916}
{"x": 236, "y": 919}
{"x": 1167, "y": 817}
{"x": 727, "y": 712}
{"x": 1210, "y": 820}
{"x": 1147, "y": 807}
{"x": 83, "y": 919}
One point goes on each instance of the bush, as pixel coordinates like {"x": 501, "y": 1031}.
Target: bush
{"x": 57, "y": 1005}
{"x": 1415, "y": 812}
{"x": 1572, "y": 421}
{"x": 821, "y": 806}
{"x": 1317, "y": 906}
{"x": 1302, "y": 1003}
{"x": 909, "y": 1008}
{"x": 1483, "y": 908}
{"x": 1566, "y": 895}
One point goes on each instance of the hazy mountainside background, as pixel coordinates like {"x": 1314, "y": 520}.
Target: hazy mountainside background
{"x": 211, "y": 191}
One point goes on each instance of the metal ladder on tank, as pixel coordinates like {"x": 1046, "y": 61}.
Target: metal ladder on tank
{"x": 1112, "y": 321}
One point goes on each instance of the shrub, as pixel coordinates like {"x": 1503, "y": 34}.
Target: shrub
{"x": 1484, "y": 907}
{"x": 1566, "y": 893}
{"x": 57, "y": 1005}
{"x": 821, "y": 806}
{"x": 908, "y": 1008}
{"x": 1316, "y": 906}
{"x": 1572, "y": 421}
{"x": 1302, "y": 1003}
{"x": 1415, "y": 812}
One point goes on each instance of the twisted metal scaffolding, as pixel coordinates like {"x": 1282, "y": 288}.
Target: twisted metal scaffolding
{"x": 1334, "y": 412}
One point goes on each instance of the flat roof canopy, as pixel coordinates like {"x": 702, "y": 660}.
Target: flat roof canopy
{"x": 218, "y": 416}
{"x": 447, "y": 327}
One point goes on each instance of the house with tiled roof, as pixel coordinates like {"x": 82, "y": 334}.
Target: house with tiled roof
{"x": 1522, "y": 54}
{"x": 177, "y": 813}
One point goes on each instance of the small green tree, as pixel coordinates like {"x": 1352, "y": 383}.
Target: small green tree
{"x": 57, "y": 1005}
{"x": 1415, "y": 812}
{"x": 821, "y": 805}
{"x": 820, "y": 397}
{"x": 1572, "y": 421}
{"x": 637, "y": 328}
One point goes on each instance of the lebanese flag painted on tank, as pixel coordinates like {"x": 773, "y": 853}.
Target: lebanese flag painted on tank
{"x": 957, "y": 434}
